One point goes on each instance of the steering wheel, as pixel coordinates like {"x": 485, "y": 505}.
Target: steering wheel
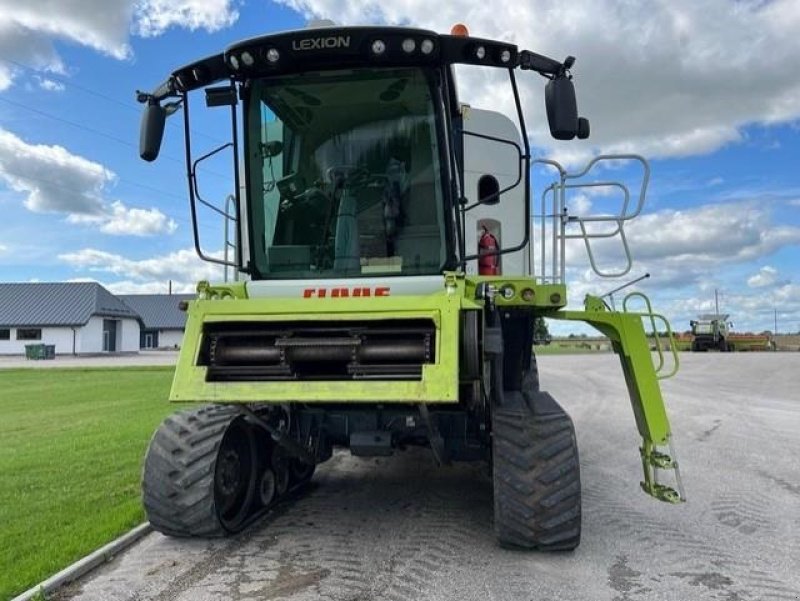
{"x": 349, "y": 175}
{"x": 310, "y": 197}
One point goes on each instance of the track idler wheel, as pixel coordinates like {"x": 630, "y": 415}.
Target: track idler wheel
{"x": 235, "y": 476}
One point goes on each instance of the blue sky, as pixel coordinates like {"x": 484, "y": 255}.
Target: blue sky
{"x": 701, "y": 88}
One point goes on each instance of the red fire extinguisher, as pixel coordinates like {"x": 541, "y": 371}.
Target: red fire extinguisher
{"x": 488, "y": 264}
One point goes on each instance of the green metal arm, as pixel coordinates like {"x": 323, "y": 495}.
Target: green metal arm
{"x": 629, "y": 341}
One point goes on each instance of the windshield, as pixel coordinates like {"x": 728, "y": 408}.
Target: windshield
{"x": 345, "y": 175}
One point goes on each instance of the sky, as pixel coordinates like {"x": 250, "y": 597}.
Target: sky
{"x": 704, "y": 89}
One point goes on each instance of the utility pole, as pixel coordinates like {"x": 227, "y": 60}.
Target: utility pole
{"x": 716, "y": 302}
{"x": 775, "y": 331}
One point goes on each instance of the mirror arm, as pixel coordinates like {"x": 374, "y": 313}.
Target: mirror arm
{"x": 545, "y": 66}
{"x": 164, "y": 90}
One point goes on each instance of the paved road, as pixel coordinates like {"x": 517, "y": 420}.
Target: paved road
{"x": 104, "y": 360}
{"x": 403, "y": 529}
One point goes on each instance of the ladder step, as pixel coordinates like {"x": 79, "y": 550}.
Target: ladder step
{"x": 662, "y": 492}
{"x": 654, "y": 461}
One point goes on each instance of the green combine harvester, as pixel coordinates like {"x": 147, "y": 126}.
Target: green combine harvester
{"x": 390, "y": 272}
{"x": 711, "y": 332}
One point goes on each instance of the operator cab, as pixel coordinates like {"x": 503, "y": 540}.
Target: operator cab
{"x": 357, "y": 186}
{"x": 355, "y": 156}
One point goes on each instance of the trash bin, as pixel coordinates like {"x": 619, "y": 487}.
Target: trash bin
{"x": 49, "y": 351}
{"x": 35, "y": 351}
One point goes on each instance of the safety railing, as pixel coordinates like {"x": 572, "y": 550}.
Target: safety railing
{"x": 555, "y": 225}
{"x": 653, "y": 319}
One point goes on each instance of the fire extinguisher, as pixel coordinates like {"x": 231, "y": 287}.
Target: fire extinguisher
{"x": 488, "y": 264}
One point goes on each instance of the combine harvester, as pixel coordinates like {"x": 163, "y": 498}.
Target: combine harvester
{"x": 713, "y": 332}
{"x": 385, "y": 242}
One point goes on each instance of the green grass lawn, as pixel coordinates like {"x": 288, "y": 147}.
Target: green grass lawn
{"x": 72, "y": 442}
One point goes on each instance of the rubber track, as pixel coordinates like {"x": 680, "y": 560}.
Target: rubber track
{"x": 537, "y": 488}
{"x": 530, "y": 379}
{"x": 178, "y": 478}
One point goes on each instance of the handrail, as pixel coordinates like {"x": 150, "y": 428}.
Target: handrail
{"x": 553, "y": 269}
{"x": 653, "y": 317}
{"x": 230, "y": 202}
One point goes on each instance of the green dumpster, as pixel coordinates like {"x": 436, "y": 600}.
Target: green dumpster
{"x": 35, "y": 351}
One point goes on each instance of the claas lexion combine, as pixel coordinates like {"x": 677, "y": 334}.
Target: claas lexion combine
{"x": 389, "y": 283}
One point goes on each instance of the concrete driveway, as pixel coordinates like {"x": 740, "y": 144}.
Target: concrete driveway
{"x": 403, "y": 529}
{"x": 105, "y": 360}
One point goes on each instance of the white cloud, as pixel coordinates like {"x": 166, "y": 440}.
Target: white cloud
{"x": 131, "y": 287}
{"x": 766, "y": 276}
{"x": 153, "y": 17}
{"x": 49, "y": 85}
{"x": 54, "y": 180}
{"x": 684, "y": 246}
{"x": 119, "y": 220}
{"x": 28, "y": 29}
{"x": 659, "y": 78}
{"x": 3, "y": 249}
{"x": 137, "y": 222}
{"x": 183, "y": 267}
{"x": 689, "y": 254}
{"x": 154, "y": 287}
{"x": 580, "y": 204}
{"x": 19, "y": 44}
{"x": 99, "y": 24}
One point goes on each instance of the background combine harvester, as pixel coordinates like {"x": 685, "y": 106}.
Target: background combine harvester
{"x": 714, "y": 332}
{"x": 390, "y": 282}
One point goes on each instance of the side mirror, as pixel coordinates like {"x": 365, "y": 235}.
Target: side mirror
{"x": 271, "y": 149}
{"x": 152, "y": 130}
{"x": 562, "y": 108}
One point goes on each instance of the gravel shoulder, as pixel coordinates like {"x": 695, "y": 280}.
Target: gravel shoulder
{"x": 401, "y": 528}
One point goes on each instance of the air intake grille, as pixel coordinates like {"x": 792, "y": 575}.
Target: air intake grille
{"x": 253, "y": 351}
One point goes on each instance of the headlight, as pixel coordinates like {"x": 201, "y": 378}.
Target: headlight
{"x": 507, "y": 291}
{"x": 378, "y": 47}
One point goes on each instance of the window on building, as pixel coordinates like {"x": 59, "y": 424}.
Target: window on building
{"x": 29, "y": 334}
{"x": 5, "y": 334}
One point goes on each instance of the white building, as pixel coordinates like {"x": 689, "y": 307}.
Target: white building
{"x": 77, "y": 318}
{"x": 163, "y": 322}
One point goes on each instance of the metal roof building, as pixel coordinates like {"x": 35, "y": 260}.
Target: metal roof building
{"x": 162, "y": 321}
{"x": 57, "y": 304}
{"x": 76, "y": 317}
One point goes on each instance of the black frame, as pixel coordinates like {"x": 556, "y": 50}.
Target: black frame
{"x": 448, "y": 50}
